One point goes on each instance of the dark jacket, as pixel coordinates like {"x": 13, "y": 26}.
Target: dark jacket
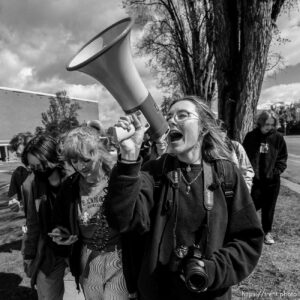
{"x": 276, "y": 157}
{"x": 235, "y": 235}
{"x": 39, "y": 224}
{"x": 66, "y": 215}
{"x": 17, "y": 179}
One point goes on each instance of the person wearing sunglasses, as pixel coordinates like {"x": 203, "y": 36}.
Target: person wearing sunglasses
{"x": 198, "y": 240}
{"x": 95, "y": 258}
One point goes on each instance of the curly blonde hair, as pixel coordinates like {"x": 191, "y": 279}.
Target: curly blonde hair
{"x": 85, "y": 142}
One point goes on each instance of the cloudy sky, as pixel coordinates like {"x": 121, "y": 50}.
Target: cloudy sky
{"x": 38, "y": 38}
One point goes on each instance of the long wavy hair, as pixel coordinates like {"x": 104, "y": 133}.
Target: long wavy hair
{"x": 213, "y": 146}
{"x": 43, "y": 147}
{"x": 84, "y": 143}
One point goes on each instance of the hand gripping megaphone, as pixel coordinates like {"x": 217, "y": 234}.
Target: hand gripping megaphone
{"x": 107, "y": 58}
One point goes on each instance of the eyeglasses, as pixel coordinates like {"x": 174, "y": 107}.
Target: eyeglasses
{"x": 181, "y": 116}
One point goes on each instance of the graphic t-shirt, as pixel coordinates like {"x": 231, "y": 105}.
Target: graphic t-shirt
{"x": 94, "y": 229}
{"x": 263, "y": 150}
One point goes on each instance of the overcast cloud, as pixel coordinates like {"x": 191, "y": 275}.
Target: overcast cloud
{"x": 38, "y": 38}
{"x": 285, "y": 84}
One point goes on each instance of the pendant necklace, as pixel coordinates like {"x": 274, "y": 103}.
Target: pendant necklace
{"x": 189, "y": 183}
{"x": 188, "y": 168}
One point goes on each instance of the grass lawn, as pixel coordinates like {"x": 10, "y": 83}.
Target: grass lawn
{"x": 277, "y": 275}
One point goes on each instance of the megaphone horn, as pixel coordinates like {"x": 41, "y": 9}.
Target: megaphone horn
{"x": 107, "y": 58}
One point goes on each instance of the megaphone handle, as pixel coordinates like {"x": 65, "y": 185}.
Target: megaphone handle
{"x": 120, "y": 134}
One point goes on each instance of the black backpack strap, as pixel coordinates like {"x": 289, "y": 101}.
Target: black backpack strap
{"x": 225, "y": 173}
{"x": 202, "y": 234}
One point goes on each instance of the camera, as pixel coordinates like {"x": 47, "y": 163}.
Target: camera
{"x": 187, "y": 260}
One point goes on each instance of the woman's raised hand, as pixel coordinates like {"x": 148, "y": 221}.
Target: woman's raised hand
{"x": 130, "y": 147}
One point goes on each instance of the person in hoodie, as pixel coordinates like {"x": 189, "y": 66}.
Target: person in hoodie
{"x": 198, "y": 242}
{"x": 267, "y": 152}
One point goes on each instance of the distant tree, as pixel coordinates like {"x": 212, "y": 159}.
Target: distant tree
{"x": 174, "y": 38}
{"x": 164, "y": 106}
{"x": 61, "y": 115}
{"x": 39, "y": 130}
{"x": 287, "y": 117}
{"x": 275, "y": 60}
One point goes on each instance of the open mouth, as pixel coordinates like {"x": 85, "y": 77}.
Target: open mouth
{"x": 175, "y": 135}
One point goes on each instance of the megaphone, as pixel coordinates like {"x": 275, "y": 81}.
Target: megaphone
{"x": 107, "y": 57}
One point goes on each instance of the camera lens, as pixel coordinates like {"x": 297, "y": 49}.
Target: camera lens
{"x": 197, "y": 282}
{"x": 196, "y": 279}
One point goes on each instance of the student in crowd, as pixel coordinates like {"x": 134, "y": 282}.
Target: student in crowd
{"x": 239, "y": 157}
{"x": 267, "y": 152}
{"x": 44, "y": 261}
{"x": 95, "y": 259}
{"x": 198, "y": 241}
{"x": 17, "y": 144}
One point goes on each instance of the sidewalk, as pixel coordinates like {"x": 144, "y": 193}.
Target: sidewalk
{"x": 70, "y": 289}
{"x": 291, "y": 185}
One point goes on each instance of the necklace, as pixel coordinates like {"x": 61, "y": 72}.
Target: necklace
{"x": 188, "y": 167}
{"x": 91, "y": 196}
{"x": 189, "y": 183}
{"x": 92, "y": 189}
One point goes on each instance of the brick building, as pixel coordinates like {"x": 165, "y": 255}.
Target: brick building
{"x": 20, "y": 111}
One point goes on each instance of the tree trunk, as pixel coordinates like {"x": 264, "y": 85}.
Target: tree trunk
{"x": 241, "y": 41}
{"x": 256, "y": 36}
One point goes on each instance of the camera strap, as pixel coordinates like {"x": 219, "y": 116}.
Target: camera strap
{"x": 202, "y": 234}
{"x": 225, "y": 179}
{"x": 208, "y": 186}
